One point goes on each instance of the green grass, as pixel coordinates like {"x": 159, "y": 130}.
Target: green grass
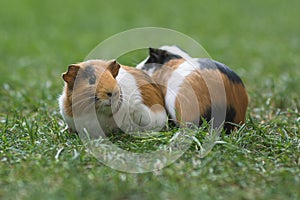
{"x": 258, "y": 39}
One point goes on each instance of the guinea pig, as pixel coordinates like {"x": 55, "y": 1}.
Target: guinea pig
{"x": 188, "y": 87}
{"x": 106, "y": 96}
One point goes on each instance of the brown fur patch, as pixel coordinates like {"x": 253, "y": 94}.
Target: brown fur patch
{"x": 190, "y": 109}
{"x": 70, "y": 76}
{"x": 236, "y": 97}
{"x": 67, "y": 103}
{"x": 150, "y": 91}
{"x": 174, "y": 63}
{"x": 187, "y": 109}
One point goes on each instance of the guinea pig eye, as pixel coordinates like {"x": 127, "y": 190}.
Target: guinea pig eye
{"x": 109, "y": 94}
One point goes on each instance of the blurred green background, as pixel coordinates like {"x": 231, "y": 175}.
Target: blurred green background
{"x": 257, "y": 39}
{"x": 260, "y": 39}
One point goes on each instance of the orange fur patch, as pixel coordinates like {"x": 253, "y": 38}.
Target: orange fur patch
{"x": 236, "y": 96}
{"x": 150, "y": 91}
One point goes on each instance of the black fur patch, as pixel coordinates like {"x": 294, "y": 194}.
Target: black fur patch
{"x": 160, "y": 56}
{"x": 228, "y": 72}
{"x": 89, "y": 72}
{"x": 206, "y": 63}
{"x": 230, "y": 114}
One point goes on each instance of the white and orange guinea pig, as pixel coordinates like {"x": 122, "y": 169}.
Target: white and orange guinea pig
{"x": 197, "y": 88}
{"x": 105, "y": 97}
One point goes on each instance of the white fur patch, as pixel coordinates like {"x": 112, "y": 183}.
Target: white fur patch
{"x": 150, "y": 71}
{"x": 174, "y": 84}
{"x": 174, "y": 50}
{"x": 69, "y": 120}
{"x": 134, "y": 114}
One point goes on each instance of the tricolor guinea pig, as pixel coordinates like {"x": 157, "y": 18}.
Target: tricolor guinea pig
{"x": 197, "y": 88}
{"x": 106, "y": 96}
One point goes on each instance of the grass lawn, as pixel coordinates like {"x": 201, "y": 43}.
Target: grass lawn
{"x": 258, "y": 39}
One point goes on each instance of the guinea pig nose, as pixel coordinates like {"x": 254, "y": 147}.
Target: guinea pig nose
{"x": 97, "y": 98}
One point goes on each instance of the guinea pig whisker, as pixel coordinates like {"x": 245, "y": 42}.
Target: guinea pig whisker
{"x": 83, "y": 102}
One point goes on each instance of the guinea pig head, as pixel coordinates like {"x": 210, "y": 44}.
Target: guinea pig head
{"x": 92, "y": 85}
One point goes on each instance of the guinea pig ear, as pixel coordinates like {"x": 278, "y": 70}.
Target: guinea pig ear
{"x": 114, "y": 67}
{"x": 154, "y": 53}
{"x": 157, "y": 55}
{"x": 70, "y": 76}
